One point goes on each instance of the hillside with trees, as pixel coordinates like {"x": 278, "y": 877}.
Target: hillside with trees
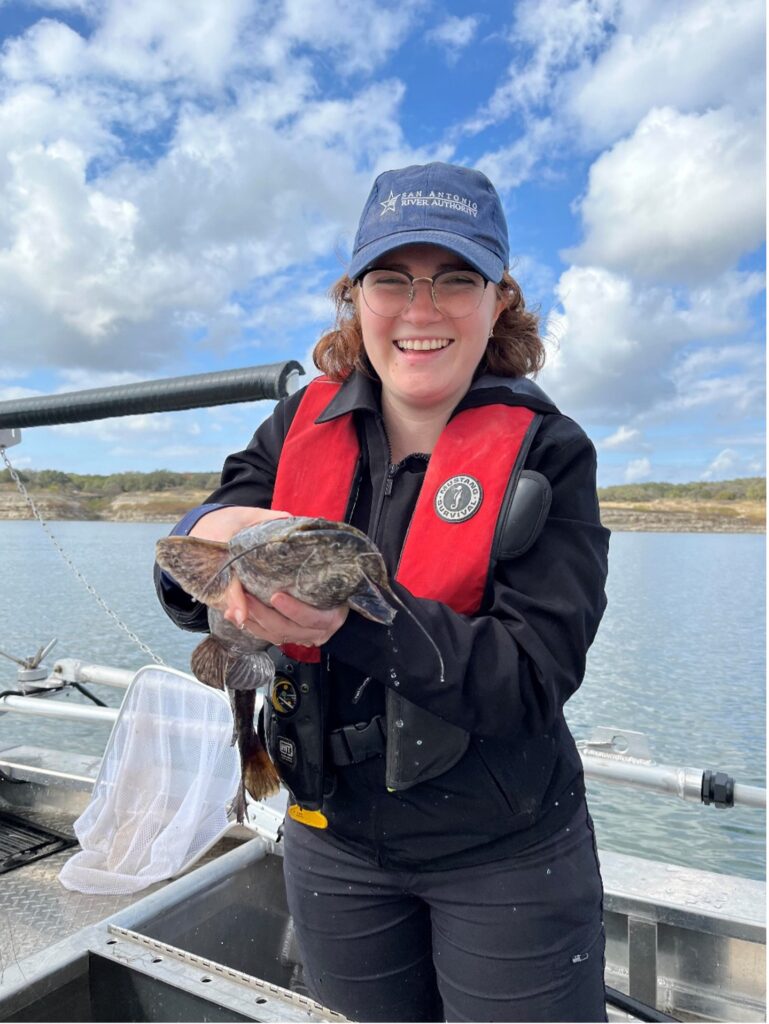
{"x": 718, "y": 506}
{"x": 733, "y": 506}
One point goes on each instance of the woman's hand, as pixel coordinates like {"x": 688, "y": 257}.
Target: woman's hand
{"x": 223, "y": 523}
{"x": 220, "y": 525}
{"x": 287, "y": 620}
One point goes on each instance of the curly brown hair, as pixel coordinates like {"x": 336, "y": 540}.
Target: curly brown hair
{"x": 514, "y": 350}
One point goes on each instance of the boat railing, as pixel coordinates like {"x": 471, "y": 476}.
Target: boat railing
{"x": 613, "y": 755}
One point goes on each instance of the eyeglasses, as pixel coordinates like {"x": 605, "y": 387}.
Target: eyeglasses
{"x": 456, "y": 293}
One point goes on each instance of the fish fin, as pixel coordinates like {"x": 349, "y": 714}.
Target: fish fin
{"x": 239, "y": 804}
{"x": 259, "y": 773}
{"x": 199, "y": 566}
{"x": 250, "y": 671}
{"x": 209, "y": 662}
{"x": 368, "y": 602}
{"x": 234, "y": 708}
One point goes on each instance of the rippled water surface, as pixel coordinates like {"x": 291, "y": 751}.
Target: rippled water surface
{"x": 679, "y": 657}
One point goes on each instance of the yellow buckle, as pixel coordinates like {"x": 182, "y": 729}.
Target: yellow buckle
{"x": 315, "y": 819}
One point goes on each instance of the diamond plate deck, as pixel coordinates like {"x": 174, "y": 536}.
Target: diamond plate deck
{"x": 37, "y": 911}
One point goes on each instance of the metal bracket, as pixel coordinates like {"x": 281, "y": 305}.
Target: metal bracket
{"x": 642, "y": 959}
{"x": 249, "y": 997}
{"x": 9, "y": 436}
{"x": 614, "y": 742}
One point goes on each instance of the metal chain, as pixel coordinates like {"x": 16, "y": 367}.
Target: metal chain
{"x": 78, "y": 574}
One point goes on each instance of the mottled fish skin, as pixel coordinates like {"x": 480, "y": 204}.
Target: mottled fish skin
{"x": 322, "y": 563}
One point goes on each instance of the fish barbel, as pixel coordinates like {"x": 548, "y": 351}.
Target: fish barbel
{"x": 320, "y": 562}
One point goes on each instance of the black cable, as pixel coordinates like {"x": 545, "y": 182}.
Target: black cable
{"x": 89, "y": 695}
{"x": 637, "y": 1009}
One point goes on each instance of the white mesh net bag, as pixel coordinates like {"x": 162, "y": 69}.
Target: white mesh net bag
{"x": 159, "y": 801}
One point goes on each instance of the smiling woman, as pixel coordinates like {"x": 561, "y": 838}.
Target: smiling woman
{"x": 515, "y": 349}
{"x": 419, "y": 752}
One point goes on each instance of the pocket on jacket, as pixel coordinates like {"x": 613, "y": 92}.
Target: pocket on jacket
{"x": 508, "y": 801}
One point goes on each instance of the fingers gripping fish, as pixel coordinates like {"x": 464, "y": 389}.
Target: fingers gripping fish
{"x": 322, "y": 563}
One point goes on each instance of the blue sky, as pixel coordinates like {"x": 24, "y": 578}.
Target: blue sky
{"x": 180, "y": 183}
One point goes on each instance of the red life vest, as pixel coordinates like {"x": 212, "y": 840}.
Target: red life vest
{"x": 316, "y": 473}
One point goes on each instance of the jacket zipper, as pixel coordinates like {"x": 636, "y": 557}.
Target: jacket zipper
{"x": 388, "y": 484}
{"x": 388, "y": 487}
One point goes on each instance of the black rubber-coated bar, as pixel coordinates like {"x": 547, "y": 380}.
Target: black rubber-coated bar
{"x": 224, "y": 387}
{"x": 636, "y": 1009}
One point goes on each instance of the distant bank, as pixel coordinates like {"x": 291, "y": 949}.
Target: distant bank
{"x": 731, "y": 506}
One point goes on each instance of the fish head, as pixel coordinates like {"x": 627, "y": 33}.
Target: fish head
{"x": 319, "y": 561}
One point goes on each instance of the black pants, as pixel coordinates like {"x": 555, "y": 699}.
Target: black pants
{"x": 516, "y": 940}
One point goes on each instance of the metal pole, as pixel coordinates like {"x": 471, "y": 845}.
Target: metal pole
{"x": 750, "y": 796}
{"x": 668, "y": 780}
{"x": 251, "y": 383}
{"x": 684, "y": 783}
{"x": 44, "y": 708}
{"x": 70, "y": 670}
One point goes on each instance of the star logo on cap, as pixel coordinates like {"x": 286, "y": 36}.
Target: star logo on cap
{"x": 388, "y": 206}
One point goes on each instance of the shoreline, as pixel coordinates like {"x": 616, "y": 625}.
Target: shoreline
{"x": 674, "y": 515}
{"x": 684, "y": 516}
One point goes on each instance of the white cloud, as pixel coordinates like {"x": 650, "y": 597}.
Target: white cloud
{"x": 592, "y": 69}
{"x": 689, "y": 54}
{"x": 728, "y": 380}
{"x": 15, "y": 392}
{"x": 680, "y": 200}
{"x": 612, "y": 343}
{"x": 194, "y": 47}
{"x": 190, "y": 42}
{"x": 76, "y": 379}
{"x": 623, "y": 437}
{"x": 357, "y": 34}
{"x": 109, "y": 270}
{"x": 742, "y": 440}
{"x": 48, "y": 50}
{"x": 86, "y": 7}
{"x": 729, "y": 465}
{"x": 637, "y": 470}
{"x": 603, "y": 64}
{"x": 625, "y": 351}
{"x": 550, "y": 36}
{"x": 118, "y": 427}
{"x": 511, "y": 165}
{"x": 454, "y": 34}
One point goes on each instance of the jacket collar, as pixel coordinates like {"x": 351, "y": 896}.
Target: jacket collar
{"x": 359, "y": 392}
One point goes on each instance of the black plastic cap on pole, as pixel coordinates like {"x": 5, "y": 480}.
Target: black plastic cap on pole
{"x": 717, "y": 788}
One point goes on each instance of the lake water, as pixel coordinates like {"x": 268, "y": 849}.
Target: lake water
{"x": 680, "y": 656}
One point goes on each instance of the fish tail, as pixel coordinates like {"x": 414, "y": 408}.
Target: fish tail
{"x": 259, "y": 774}
{"x": 209, "y": 662}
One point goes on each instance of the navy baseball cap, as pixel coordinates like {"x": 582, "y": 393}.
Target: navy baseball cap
{"x": 442, "y": 204}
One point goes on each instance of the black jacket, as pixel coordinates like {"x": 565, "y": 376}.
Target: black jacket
{"x": 509, "y": 669}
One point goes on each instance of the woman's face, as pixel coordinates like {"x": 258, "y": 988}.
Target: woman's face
{"x": 426, "y": 377}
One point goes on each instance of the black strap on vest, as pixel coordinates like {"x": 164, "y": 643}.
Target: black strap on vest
{"x": 355, "y": 743}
